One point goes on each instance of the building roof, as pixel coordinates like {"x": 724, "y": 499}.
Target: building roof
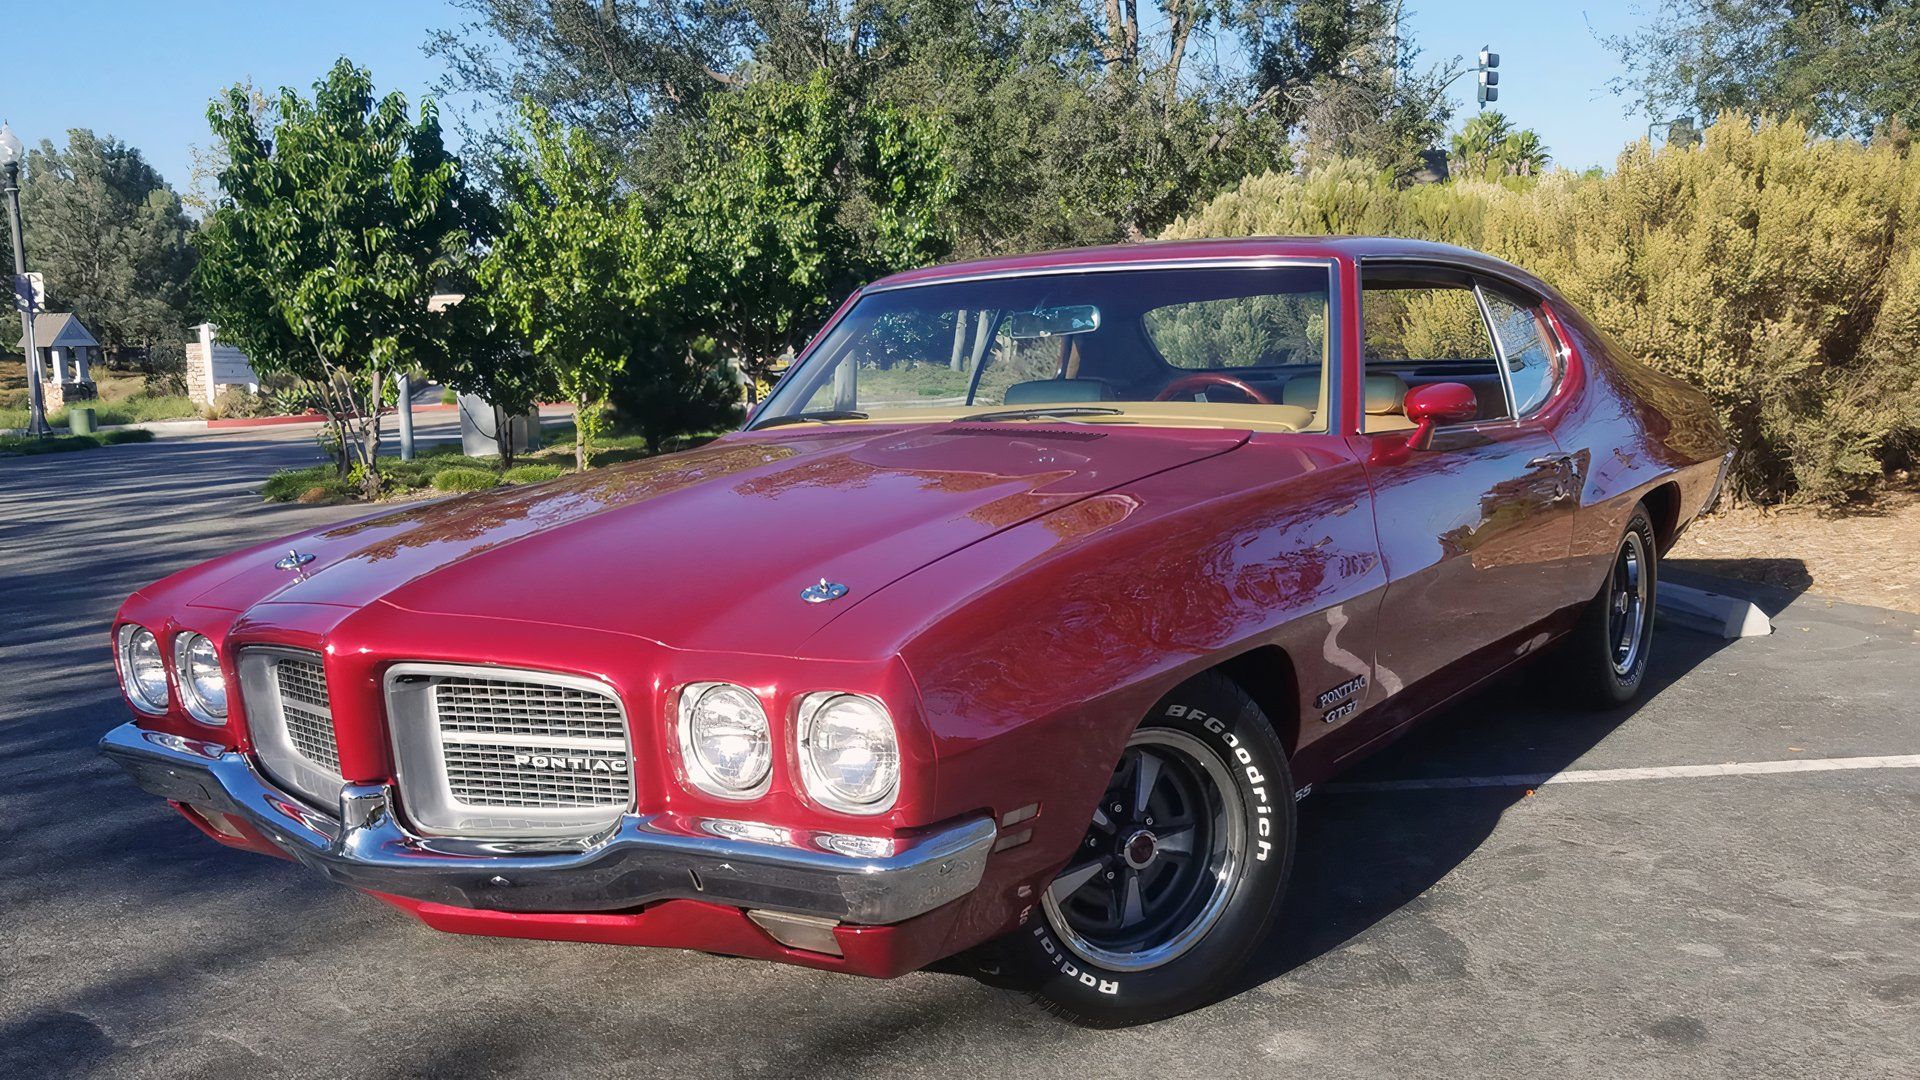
{"x": 59, "y": 330}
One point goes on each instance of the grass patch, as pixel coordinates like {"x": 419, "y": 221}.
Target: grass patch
{"x": 21, "y": 445}
{"x": 534, "y": 474}
{"x": 464, "y": 478}
{"x": 136, "y": 409}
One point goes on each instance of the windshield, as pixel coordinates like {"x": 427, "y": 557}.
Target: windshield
{"x": 1193, "y": 346}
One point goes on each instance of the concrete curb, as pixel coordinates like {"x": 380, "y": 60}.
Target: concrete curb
{"x": 1724, "y": 616}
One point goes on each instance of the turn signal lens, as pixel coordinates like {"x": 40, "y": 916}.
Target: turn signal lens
{"x": 724, "y": 740}
{"x": 849, "y": 756}
{"x": 143, "y": 671}
{"x": 202, "y": 687}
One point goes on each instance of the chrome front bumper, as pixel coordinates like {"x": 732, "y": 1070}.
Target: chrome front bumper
{"x": 865, "y": 880}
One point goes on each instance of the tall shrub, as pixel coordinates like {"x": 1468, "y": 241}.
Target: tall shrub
{"x": 1778, "y": 272}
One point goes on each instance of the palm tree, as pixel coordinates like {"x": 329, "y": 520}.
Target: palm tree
{"x": 1524, "y": 154}
{"x": 1477, "y": 147}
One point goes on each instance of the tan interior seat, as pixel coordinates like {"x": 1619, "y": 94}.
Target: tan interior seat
{"x": 1386, "y": 399}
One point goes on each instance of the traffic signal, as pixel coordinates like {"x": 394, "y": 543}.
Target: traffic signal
{"x": 1489, "y": 89}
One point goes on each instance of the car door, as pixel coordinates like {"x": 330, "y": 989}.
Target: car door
{"x": 1475, "y": 528}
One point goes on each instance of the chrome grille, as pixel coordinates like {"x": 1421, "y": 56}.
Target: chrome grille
{"x": 306, "y": 711}
{"x": 498, "y": 706}
{"x": 487, "y": 752}
{"x": 483, "y": 774}
{"x": 290, "y": 714}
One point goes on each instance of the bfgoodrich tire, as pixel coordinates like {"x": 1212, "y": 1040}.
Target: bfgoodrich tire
{"x": 1180, "y": 875}
{"x": 1608, "y": 652}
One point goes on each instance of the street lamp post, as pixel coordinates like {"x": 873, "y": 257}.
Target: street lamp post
{"x": 11, "y": 154}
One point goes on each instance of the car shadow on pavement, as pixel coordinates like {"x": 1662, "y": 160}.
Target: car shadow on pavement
{"x": 1771, "y": 584}
{"x": 1363, "y": 855}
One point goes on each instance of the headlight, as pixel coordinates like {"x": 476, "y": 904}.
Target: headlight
{"x": 724, "y": 740}
{"x": 849, "y": 756}
{"x": 202, "y": 687}
{"x": 143, "y": 671}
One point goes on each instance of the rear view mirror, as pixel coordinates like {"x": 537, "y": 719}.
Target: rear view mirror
{"x": 1053, "y": 322}
{"x": 1434, "y": 404}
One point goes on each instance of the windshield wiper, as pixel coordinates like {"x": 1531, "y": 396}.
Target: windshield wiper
{"x": 1042, "y": 413}
{"x": 819, "y": 416}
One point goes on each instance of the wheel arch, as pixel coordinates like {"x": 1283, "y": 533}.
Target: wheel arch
{"x": 1267, "y": 675}
{"x": 1663, "y": 506}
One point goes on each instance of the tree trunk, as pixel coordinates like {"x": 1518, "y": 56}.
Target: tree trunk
{"x": 503, "y": 436}
{"x": 579, "y": 436}
{"x": 370, "y": 428}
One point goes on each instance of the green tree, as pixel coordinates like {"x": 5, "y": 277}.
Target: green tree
{"x": 110, "y": 236}
{"x": 1376, "y": 105}
{"x": 574, "y": 269}
{"x": 801, "y": 195}
{"x": 1069, "y": 121}
{"x": 1842, "y": 68}
{"x": 338, "y": 218}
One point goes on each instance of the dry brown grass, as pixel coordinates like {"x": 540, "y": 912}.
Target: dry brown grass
{"x": 1866, "y": 556}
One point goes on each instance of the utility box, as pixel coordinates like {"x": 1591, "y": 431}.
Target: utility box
{"x": 480, "y": 426}
{"x": 79, "y": 420}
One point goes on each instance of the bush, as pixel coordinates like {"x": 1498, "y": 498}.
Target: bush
{"x": 141, "y": 408}
{"x": 290, "y": 484}
{"x": 534, "y": 474}
{"x": 464, "y": 478}
{"x": 236, "y": 401}
{"x": 1777, "y": 272}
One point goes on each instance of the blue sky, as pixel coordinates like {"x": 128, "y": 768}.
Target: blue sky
{"x": 143, "y": 71}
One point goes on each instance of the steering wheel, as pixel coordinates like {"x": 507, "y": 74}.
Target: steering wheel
{"x": 1200, "y": 380}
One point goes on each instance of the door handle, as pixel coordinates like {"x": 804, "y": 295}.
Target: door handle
{"x": 1566, "y": 469}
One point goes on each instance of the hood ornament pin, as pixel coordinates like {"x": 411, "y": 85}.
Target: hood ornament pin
{"x": 823, "y": 592}
{"x": 292, "y": 560}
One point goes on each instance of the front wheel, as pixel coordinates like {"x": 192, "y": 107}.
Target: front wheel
{"x": 1608, "y": 652}
{"x": 1181, "y": 871}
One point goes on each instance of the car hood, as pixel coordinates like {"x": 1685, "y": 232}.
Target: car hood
{"x": 710, "y": 549}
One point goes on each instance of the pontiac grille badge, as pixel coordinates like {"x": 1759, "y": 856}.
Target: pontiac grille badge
{"x": 823, "y": 592}
{"x": 292, "y": 560}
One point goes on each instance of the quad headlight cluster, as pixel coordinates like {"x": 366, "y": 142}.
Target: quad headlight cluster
{"x": 848, "y": 753}
{"x": 143, "y": 668}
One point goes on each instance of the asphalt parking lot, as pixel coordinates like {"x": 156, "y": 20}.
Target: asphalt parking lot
{"x": 1653, "y": 923}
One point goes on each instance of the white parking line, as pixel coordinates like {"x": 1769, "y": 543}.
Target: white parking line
{"x": 1660, "y": 772}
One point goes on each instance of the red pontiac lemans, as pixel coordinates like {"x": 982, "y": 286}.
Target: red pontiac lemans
{"x": 1012, "y": 626}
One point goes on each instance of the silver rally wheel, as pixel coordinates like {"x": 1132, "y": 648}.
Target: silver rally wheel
{"x": 1172, "y": 886}
{"x": 1161, "y": 860}
{"x": 1605, "y": 657}
{"x": 1629, "y": 593}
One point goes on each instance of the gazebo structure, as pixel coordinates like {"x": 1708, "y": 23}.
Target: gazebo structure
{"x": 66, "y": 348}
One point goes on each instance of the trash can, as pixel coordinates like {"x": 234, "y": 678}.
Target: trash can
{"x": 80, "y": 420}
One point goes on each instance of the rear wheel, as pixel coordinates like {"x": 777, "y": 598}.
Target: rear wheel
{"x": 1610, "y": 648}
{"x": 1180, "y": 874}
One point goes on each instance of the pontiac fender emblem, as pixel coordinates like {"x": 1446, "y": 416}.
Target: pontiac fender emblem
{"x": 823, "y": 592}
{"x": 293, "y": 560}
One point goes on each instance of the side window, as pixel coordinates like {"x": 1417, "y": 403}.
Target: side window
{"x": 1534, "y": 361}
{"x": 1421, "y": 330}
{"x": 1427, "y": 322}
